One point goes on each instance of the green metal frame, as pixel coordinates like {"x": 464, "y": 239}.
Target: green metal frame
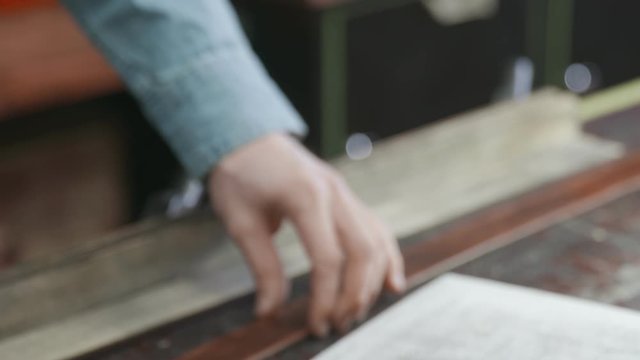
{"x": 549, "y": 41}
{"x": 333, "y": 70}
{"x": 550, "y": 38}
{"x": 333, "y": 81}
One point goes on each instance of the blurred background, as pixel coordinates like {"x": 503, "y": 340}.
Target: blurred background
{"x": 78, "y": 160}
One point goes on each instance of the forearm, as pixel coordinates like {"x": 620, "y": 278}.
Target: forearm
{"x": 193, "y": 72}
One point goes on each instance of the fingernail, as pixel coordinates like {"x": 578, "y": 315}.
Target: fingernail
{"x": 399, "y": 282}
{"x": 362, "y": 315}
{"x": 322, "y": 330}
{"x": 346, "y": 325}
{"x": 262, "y": 308}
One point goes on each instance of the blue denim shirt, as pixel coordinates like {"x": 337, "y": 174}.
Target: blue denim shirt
{"x": 193, "y": 71}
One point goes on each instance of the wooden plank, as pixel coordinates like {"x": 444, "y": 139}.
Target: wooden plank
{"x": 478, "y": 235}
{"x": 623, "y": 126}
{"x": 100, "y": 270}
{"x": 609, "y": 101}
{"x": 491, "y": 154}
{"x": 594, "y": 256}
{"x": 58, "y": 189}
{"x": 473, "y": 159}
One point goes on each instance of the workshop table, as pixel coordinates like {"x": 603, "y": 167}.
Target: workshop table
{"x": 595, "y": 255}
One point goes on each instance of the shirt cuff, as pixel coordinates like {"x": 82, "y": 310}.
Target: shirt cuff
{"x": 214, "y": 104}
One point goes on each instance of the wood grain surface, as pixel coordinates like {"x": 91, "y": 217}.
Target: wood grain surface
{"x": 469, "y": 239}
{"x": 195, "y": 328}
{"x": 58, "y": 189}
{"x": 594, "y": 255}
{"x": 473, "y": 160}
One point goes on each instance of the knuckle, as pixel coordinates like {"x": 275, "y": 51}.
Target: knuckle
{"x": 328, "y": 265}
{"x": 272, "y": 279}
{"x": 365, "y": 253}
{"x": 325, "y": 268}
{"x": 324, "y": 310}
{"x": 319, "y": 314}
{"x": 385, "y": 231}
{"x": 240, "y": 229}
{"x": 335, "y": 178}
{"x": 313, "y": 187}
{"x": 265, "y": 285}
{"x": 380, "y": 257}
{"x": 321, "y": 310}
{"x": 307, "y": 190}
{"x": 361, "y": 301}
{"x": 244, "y": 230}
{"x": 379, "y": 264}
{"x": 237, "y": 230}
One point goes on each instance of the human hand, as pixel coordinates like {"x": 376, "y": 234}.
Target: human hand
{"x": 352, "y": 253}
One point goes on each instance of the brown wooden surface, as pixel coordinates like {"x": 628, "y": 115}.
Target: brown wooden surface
{"x": 107, "y": 296}
{"x": 58, "y": 189}
{"x": 235, "y": 317}
{"x": 469, "y": 239}
{"x": 623, "y": 126}
{"x": 46, "y": 60}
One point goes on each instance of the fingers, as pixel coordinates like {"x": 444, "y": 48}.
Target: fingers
{"x": 395, "y": 280}
{"x": 363, "y": 273}
{"x": 351, "y": 253}
{"x": 314, "y": 224}
{"x": 254, "y": 239}
{"x": 373, "y": 259}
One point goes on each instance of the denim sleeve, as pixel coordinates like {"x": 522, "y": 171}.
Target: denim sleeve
{"x": 193, "y": 72}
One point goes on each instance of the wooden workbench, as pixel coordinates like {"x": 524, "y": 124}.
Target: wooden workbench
{"x": 164, "y": 287}
{"x": 97, "y": 293}
{"x": 593, "y": 255}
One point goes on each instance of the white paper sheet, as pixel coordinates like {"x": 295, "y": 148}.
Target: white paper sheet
{"x": 459, "y": 317}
